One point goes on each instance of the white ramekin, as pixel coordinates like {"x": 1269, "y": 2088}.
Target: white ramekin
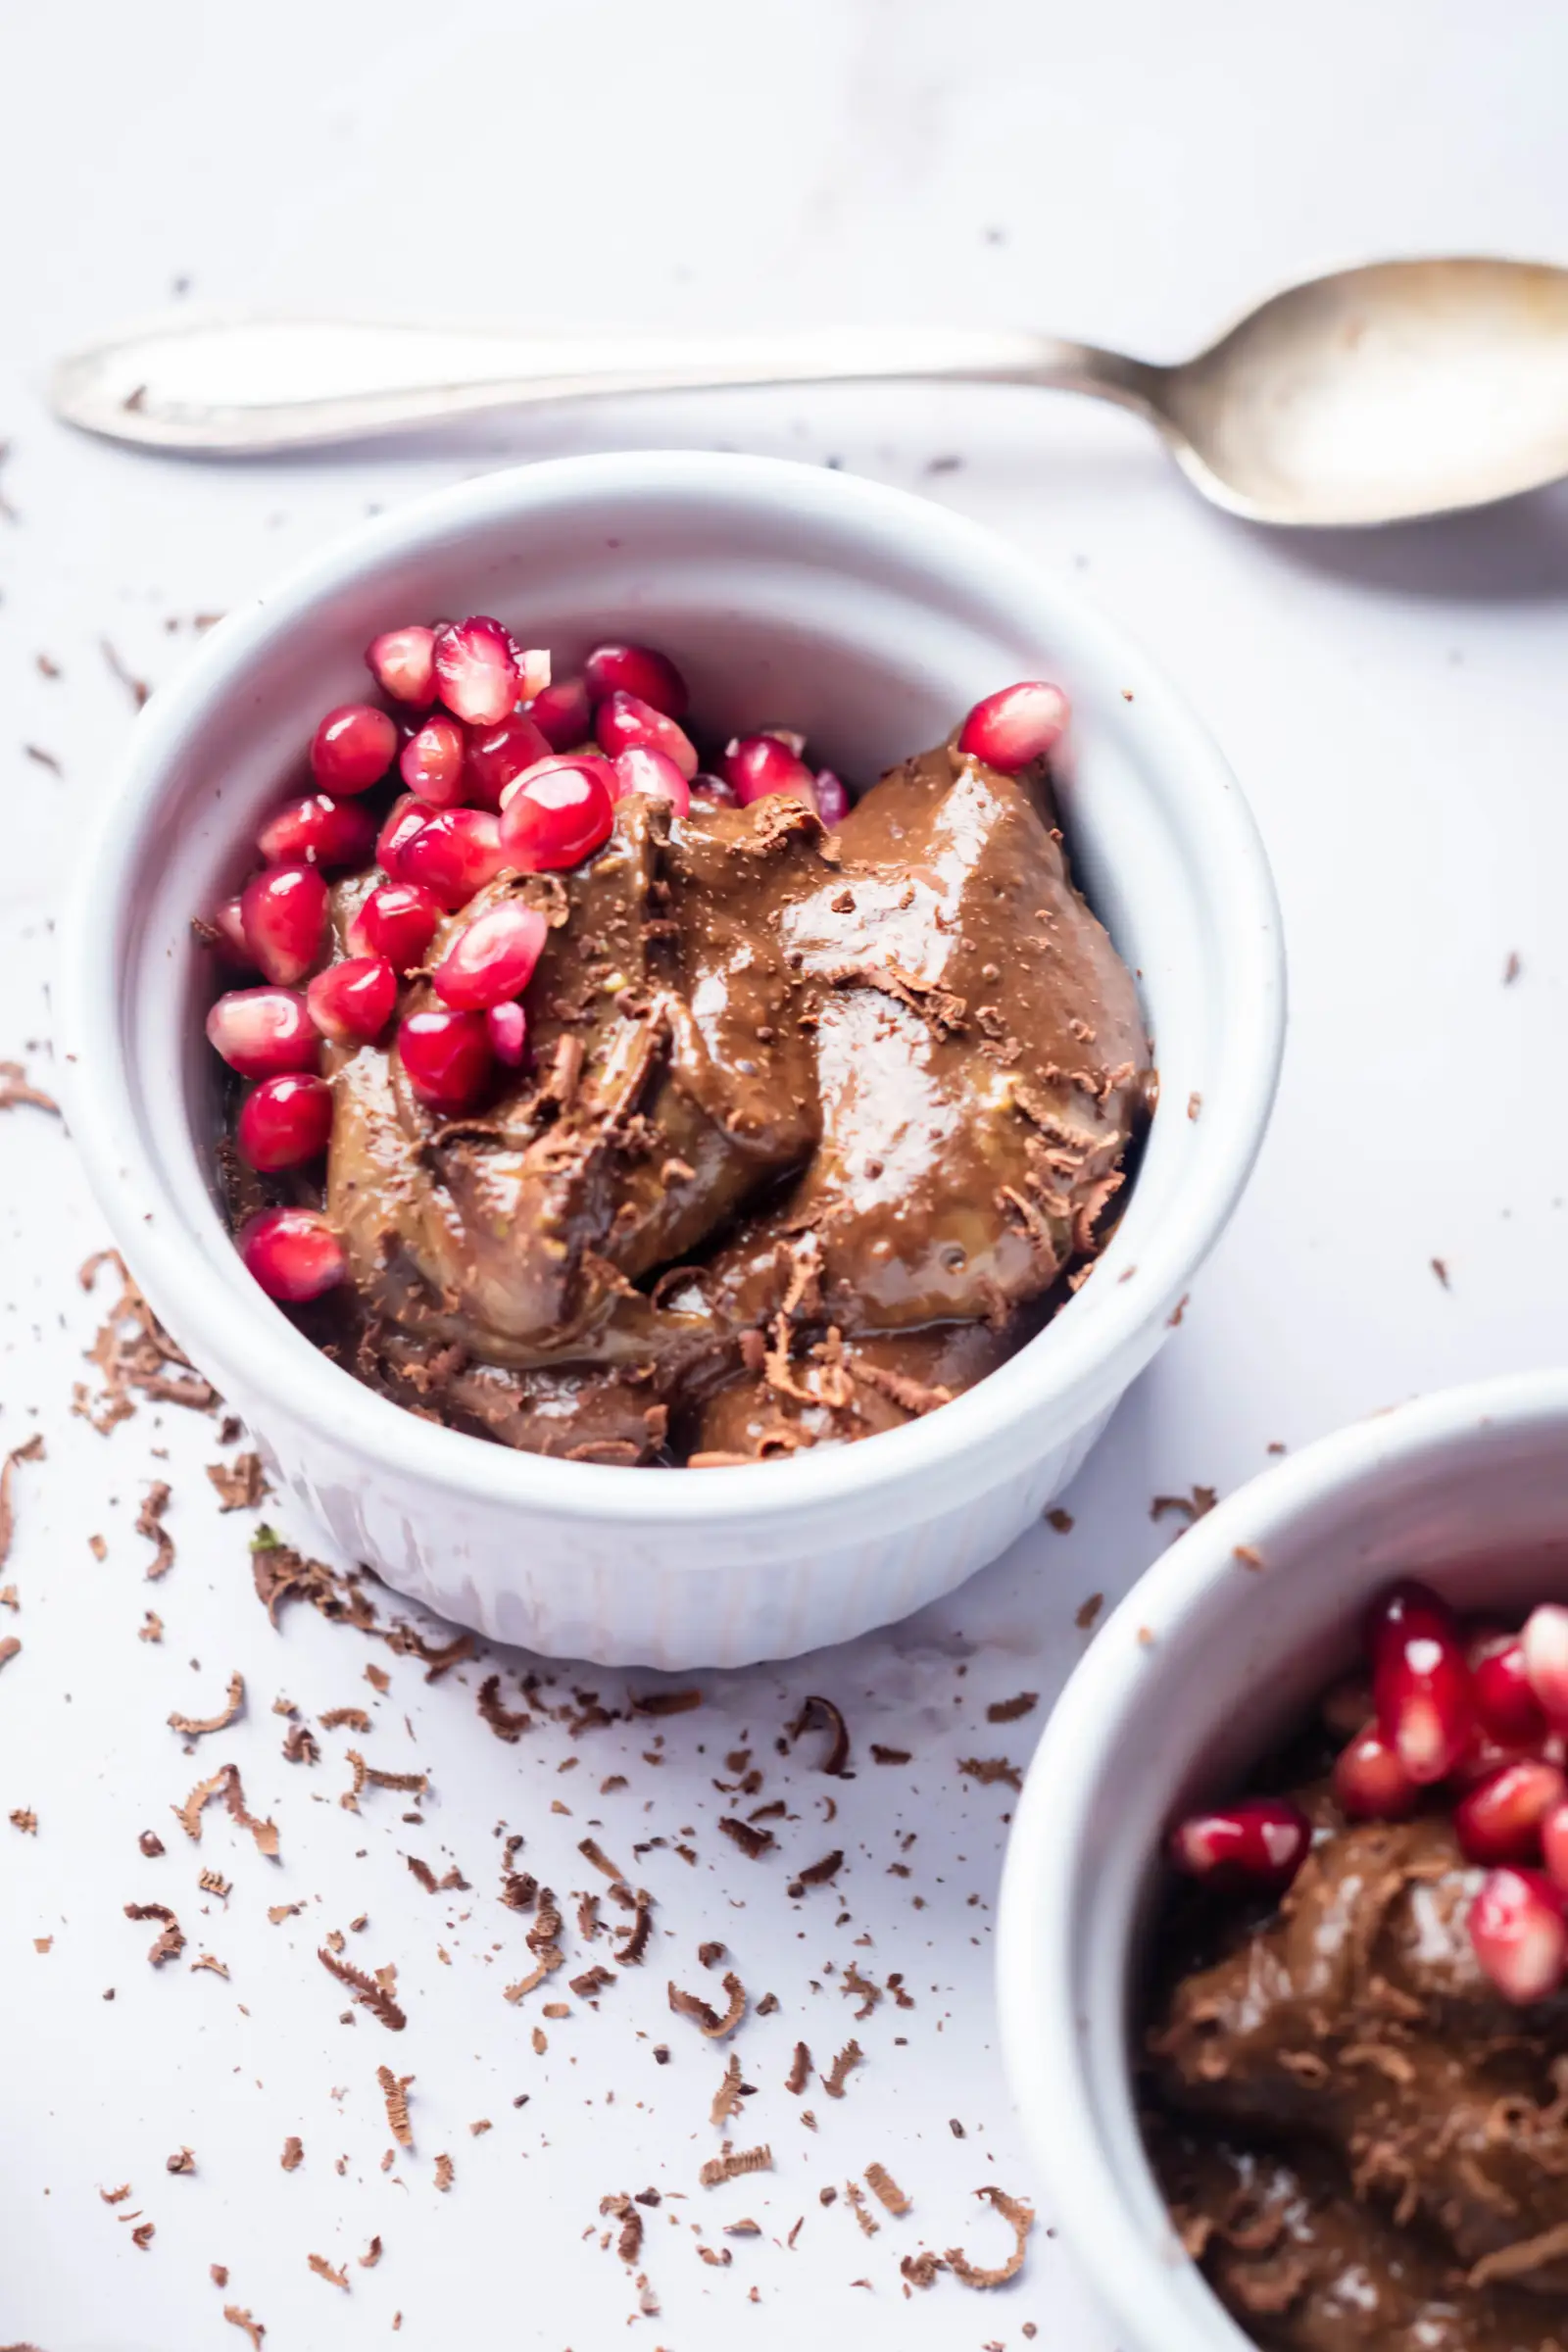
{"x": 787, "y": 594}
{"x": 1204, "y": 1665}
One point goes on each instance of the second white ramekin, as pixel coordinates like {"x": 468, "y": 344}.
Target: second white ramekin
{"x": 787, "y": 594}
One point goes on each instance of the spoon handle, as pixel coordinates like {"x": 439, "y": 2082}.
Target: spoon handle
{"x": 238, "y": 386}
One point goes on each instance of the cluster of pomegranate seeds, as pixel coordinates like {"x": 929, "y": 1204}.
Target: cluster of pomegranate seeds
{"x": 1474, "y": 1719}
{"x": 502, "y": 768}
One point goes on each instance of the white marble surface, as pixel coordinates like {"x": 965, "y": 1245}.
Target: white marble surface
{"x": 1396, "y": 711}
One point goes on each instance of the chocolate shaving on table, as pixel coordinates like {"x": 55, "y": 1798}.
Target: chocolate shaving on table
{"x": 182, "y": 2161}
{"x": 116, "y": 2196}
{"x": 727, "y": 2097}
{"x": 842, "y": 2066}
{"x": 1022, "y": 2219}
{"x": 734, "y": 2162}
{"x": 371, "y": 2255}
{"x": 226, "y": 1778}
{"x": 10, "y": 1648}
{"x": 1190, "y": 1507}
{"x": 367, "y": 1991}
{"x": 194, "y": 1727}
{"x": 920, "y": 2269}
{"x": 703, "y": 2016}
{"x": 323, "y": 2269}
{"x": 239, "y": 1485}
{"x": 33, "y": 1452}
{"x": 152, "y": 1845}
{"x": 589, "y": 1923}
{"x": 816, "y": 1711}
{"x": 855, "y": 2195}
{"x": 502, "y": 1721}
{"x": 667, "y": 1702}
{"x": 404, "y": 1640}
{"x": 629, "y": 2242}
{"x": 591, "y": 1851}
{"x": 855, "y": 1984}
{"x": 171, "y": 1942}
{"x": 151, "y": 1627}
{"x": 443, "y": 2173}
{"x": 711, "y": 1955}
{"x": 370, "y": 1776}
{"x": 543, "y": 1941}
{"x": 800, "y": 2070}
{"x": 280, "y": 1574}
{"x": 889, "y": 1755}
{"x": 150, "y": 1523}
{"x": 632, "y": 1953}
{"x": 395, "y": 2092}
{"x": 518, "y": 1888}
{"x": 25, "y": 1818}
{"x": 354, "y": 1718}
{"x": 592, "y": 1980}
{"x": 132, "y": 1351}
{"x": 300, "y": 1744}
{"x": 1008, "y": 1710}
{"x": 753, "y": 1842}
{"x": 16, "y": 1090}
{"x": 213, "y": 1881}
{"x": 254, "y": 2328}
{"x": 988, "y": 1769}
{"x": 293, "y": 2155}
{"x": 886, "y": 2190}
{"x": 818, "y": 1874}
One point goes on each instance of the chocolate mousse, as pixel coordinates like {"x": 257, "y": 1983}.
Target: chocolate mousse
{"x": 817, "y": 1121}
{"x": 1358, "y": 2102}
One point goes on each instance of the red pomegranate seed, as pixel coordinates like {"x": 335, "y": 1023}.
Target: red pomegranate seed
{"x": 643, "y": 770}
{"x": 407, "y": 816}
{"x": 293, "y": 1254}
{"x": 447, "y": 1056}
{"x": 284, "y": 1121}
{"x": 264, "y": 1031}
{"x": 398, "y": 920}
{"x": 318, "y": 831}
{"x": 351, "y": 1002}
{"x": 1260, "y": 1842}
{"x": 1420, "y": 1682}
{"x": 564, "y": 714}
{"x": 1500, "y": 1820}
{"x": 1015, "y": 725}
{"x": 639, "y": 670}
{"x": 431, "y": 763}
{"x": 402, "y": 662}
{"x": 453, "y": 855}
{"x": 832, "y": 797}
{"x": 353, "y": 748}
{"x": 557, "y": 815}
{"x": 506, "y": 1026}
{"x": 533, "y": 669}
{"x": 476, "y": 670}
{"x": 623, "y": 720}
{"x": 1481, "y": 1757}
{"x": 497, "y": 754}
{"x": 1519, "y": 1934}
{"x": 493, "y": 958}
{"x": 1506, "y": 1706}
{"x": 1554, "y": 1845}
{"x": 284, "y": 914}
{"x": 229, "y": 921}
{"x": 756, "y": 765}
{"x": 1370, "y": 1783}
{"x": 1544, "y": 1642}
{"x": 712, "y": 791}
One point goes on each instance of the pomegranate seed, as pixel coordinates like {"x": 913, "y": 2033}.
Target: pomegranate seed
{"x": 533, "y": 669}
{"x": 1420, "y": 1682}
{"x": 564, "y": 714}
{"x": 1500, "y": 1820}
{"x": 1545, "y": 1640}
{"x": 1554, "y": 1845}
{"x": 1260, "y": 1842}
{"x": 1015, "y": 725}
{"x": 229, "y": 921}
{"x": 500, "y": 754}
{"x": 713, "y": 791}
{"x": 557, "y": 815}
{"x": 284, "y": 914}
{"x": 284, "y": 1121}
{"x": 353, "y": 748}
{"x": 408, "y": 816}
{"x": 351, "y": 1002}
{"x": 493, "y": 958}
{"x": 638, "y": 670}
{"x": 453, "y": 855}
{"x": 431, "y": 763}
{"x": 1506, "y": 1706}
{"x": 262, "y": 1032}
{"x": 1519, "y": 1934}
{"x": 447, "y": 1056}
{"x": 1481, "y": 1757}
{"x": 398, "y": 920}
{"x": 476, "y": 672}
{"x": 832, "y": 797}
{"x": 756, "y": 765}
{"x": 318, "y": 831}
{"x": 1370, "y": 1783}
{"x": 293, "y": 1254}
{"x": 506, "y": 1026}
{"x": 625, "y": 719}
{"x": 402, "y": 662}
{"x": 643, "y": 770}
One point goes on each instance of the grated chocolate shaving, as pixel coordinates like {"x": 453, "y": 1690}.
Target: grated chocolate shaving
{"x": 502, "y": 1721}
{"x": 1008, "y": 1710}
{"x": 842, "y": 2066}
{"x": 543, "y": 1941}
{"x": 371, "y": 2255}
{"x": 116, "y": 2196}
{"x": 239, "y": 1485}
{"x": 855, "y": 2195}
{"x": 171, "y": 1942}
{"x": 591, "y": 1851}
{"x": 368, "y": 1991}
{"x": 336, "y": 1719}
{"x": 151, "y": 1627}
{"x": 518, "y": 1888}
{"x": 818, "y": 1874}
{"x": 816, "y": 1713}
{"x": 293, "y": 2155}
{"x": 800, "y": 2070}
{"x": 443, "y": 2173}
{"x": 710, "y": 2024}
{"x": 988, "y": 1769}
{"x": 370, "y": 1776}
{"x": 856, "y": 1985}
{"x": 33, "y": 1452}
{"x": 150, "y": 1523}
{"x": 734, "y": 2162}
{"x": 213, "y": 1881}
{"x": 277, "y": 1912}
{"x": 182, "y": 2161}
{"x": 667, "y": 1702}
{"x": 281, "y": 1574}
{"x": 395, "y": 2092}
{"x": 26, "y": 1820}
{"x": 216, "y": 1968}
{"x": 727, "y": 2097}
{"x": 254, "y": 2328}
{"x": 753, "y": 1842}
{"x": 593, "y": 1979}
{"x": 132, "y": 1351}
{"x": 632, "y": 1953}
{"x": 889, "y": 1755}
{"x": 300, "y": 1746}
{"x": 920, "y": 2269}
{"x": 195, "y": 1726}
{"x": 151, "y": 1844}
{"x": 436, "y": 1657}
{"x": 1022, "y": 2219}
{"x": 323, "y": 2269}
{"x": 15, "y": 1088}
{"x": 10, "y": 1648}
{"x": 886, "y": 2190}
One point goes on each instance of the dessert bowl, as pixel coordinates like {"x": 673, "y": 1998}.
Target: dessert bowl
{"x": 1205, "y": 1668}
{"x": 874, "y": 620}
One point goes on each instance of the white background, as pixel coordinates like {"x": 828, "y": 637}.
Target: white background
{"x": 1396, "y": 709}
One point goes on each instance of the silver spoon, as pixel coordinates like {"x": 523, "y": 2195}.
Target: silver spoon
{"x": 1399, "y": 389}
